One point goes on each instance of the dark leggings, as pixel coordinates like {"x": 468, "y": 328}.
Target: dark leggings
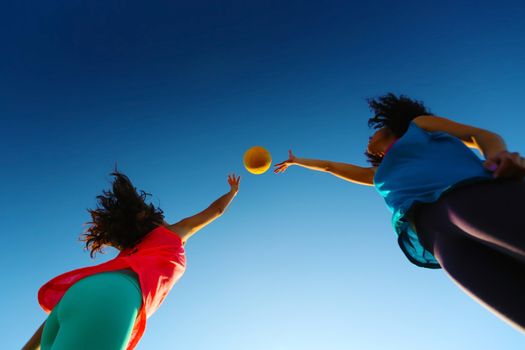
{"x": 477, "y": 233}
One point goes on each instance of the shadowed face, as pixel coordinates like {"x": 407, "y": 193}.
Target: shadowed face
{"x": 379, "y": 142}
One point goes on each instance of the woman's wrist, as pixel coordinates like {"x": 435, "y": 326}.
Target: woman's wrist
{"x": 491, "y": 154}
{"x": 296, "y": 161}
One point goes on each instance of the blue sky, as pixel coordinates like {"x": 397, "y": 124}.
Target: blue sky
{"x": 176, "y": 92}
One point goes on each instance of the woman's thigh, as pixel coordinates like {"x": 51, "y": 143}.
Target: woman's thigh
{"x": 492, "y": 212}
{"x": 50, "y": 331}
{"x": 97, "y": 312}
{"x": 491, "y": 276}
{"x": 494, "y": 279}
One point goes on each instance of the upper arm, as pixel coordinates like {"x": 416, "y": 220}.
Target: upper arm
{"x": 190, "y": 225}
{"x": 353, "y": 173}
{"x": 465, "y": 133}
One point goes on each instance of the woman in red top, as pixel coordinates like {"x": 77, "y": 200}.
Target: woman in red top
{"x": 106, "y": 306}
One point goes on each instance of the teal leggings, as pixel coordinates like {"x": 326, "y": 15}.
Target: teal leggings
{"x": 97, "y": 312}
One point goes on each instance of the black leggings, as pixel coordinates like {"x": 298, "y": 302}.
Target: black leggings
{"x": 477, "y": 233}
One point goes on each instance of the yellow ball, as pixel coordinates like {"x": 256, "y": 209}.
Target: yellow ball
{"x": 257, "y": 160}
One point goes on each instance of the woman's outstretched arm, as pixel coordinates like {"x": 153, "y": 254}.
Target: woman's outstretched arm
{"x": 34, "y": 342}
{"x": 499, "y": 160}
{"x": 190, "y": 225}
{"x": 345, "y": 171}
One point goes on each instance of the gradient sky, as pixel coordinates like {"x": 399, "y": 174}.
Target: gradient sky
{"x": 175, "y": 92}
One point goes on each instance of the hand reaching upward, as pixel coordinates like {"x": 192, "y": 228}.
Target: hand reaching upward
{"x": 234, "y": 182}
{"x": 281, "y": 167}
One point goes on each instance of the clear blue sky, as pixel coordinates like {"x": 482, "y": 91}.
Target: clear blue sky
{"x": 175, "y": 92}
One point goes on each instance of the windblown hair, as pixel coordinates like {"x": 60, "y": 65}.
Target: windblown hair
{"x": 395, "y": 113}
{"x": 122, "y": 217}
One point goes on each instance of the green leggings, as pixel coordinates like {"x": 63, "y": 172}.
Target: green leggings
{"x": 97, "y": 312}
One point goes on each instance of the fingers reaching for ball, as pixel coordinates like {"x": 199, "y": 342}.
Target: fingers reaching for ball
{"x": 234, "y": 182}
{"x": 281, "y": 167}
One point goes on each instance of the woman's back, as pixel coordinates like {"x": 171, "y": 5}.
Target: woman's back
{"x": 419, "y": 168}
{"x": 421, "y": 165}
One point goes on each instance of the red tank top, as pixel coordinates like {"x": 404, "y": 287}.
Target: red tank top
{"x": 159, "y": 262}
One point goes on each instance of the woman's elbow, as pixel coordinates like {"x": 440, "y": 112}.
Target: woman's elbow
{"x": 485, "y": 136}
{"x": 328, "y": 167}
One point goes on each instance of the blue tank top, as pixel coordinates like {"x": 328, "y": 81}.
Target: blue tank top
{"x": 419, "y": 168}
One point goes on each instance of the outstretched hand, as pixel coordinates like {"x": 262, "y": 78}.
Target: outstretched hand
{"x": 281, "y": 167}
{"x": 506, "y": 165}
{"x": 234, "y": 182}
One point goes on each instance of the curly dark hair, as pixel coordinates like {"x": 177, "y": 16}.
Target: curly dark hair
{"x": 122, "y": 217}
{"x": 395, "y": 113}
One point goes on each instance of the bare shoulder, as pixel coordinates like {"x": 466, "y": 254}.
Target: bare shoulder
{"x": 465, "y": 133}
{"x": 432, "y": 122}
{"x": 177, "y": 229}
{"x": 435, "y": 123}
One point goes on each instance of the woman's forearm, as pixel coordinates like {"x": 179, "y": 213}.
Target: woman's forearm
{"x": 349, "y": 172}
{"x": 220, "y": 205}
{"x": 489, "y": 143}
{"x": 313, "y": 164}
{"x": 190, "y": 225}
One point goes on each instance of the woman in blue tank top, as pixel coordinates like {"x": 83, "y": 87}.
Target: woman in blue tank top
{"x": 450, "y": 209}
